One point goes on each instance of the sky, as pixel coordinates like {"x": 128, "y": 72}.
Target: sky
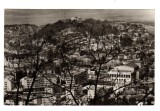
{"x": 44, "y": 16}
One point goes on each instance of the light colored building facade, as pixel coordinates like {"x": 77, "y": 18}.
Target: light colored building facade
{"x": 40, "y": 82}
{"x": 8, "y": 84}
{"x": 124, "y": 73}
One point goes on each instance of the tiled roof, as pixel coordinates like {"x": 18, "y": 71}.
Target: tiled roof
{"x": 132, "y": 65}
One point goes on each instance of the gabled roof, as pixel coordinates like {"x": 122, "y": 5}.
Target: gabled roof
{"x": 131, "y": 65}
{"x": 123, "y": 67}
{"x": 137, "y": 61}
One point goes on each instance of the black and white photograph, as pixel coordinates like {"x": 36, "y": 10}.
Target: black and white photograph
{"x": 79, "y": 57}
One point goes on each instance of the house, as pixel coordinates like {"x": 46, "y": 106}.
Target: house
{"x": 70, "y": 80}
{"x": 8, "y": 84}
{"x": 91, "y": 74}
{"x": 84, "y": 61}
{"x": 48, "y": 101}
{"x": 101, "y": 85}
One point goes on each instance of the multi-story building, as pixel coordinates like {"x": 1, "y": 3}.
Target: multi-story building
{"x": 8, "y": 84}
{"x": 91, "y": 74}
{"x": 81, "y": 78}
{"x": 40, "y": 82}
{"x": 70, "y": 80}
{"x": 124, "y": 73}
{"x": 101, "y": 84}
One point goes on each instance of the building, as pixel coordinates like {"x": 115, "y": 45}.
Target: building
{"x": 124, "y": 73}
{"x": 8, "y": 84}
{"x": 101, "y": 85}
{"x": 48, "y": 100}
{"x": 91, "y": 74}
{"x": 40, "y": 82}
{"x": 81, "y": 78}
{"x": 70, "y": 80}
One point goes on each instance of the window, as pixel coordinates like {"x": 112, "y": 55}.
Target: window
{"x": 128, "y": 76}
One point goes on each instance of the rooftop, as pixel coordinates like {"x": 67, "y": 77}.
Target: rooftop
{"x": 132, "y": 65}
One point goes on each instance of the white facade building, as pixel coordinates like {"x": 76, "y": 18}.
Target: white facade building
{"x": 8, "y": 85}
{"x": 124, "y": 73}
{"x": 40, "y": 82}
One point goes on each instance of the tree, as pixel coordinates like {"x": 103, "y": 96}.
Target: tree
{"x": 65, "y": 48}
{"x": 35, "y": 57}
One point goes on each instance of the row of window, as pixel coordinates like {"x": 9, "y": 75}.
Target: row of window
{"x": 121, "y": 71}
{"x": 118, "y": 75}
{"x": 119, "y": 80}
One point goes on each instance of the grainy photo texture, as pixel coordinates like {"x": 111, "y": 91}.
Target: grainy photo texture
{"x": 79, "y": 57}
